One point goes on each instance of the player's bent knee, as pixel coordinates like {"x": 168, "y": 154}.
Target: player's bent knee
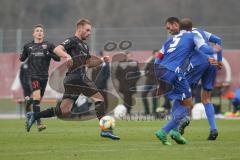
{"x": 36, "y": 95}
{"x": 187, "y": 103}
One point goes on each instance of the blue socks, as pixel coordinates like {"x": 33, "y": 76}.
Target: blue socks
{"x": 169, "y": 126}
{"x": 209, "y": 109}
{"x": 178, "y": 113}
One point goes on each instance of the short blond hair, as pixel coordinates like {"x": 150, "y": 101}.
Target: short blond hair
{"x": 82, "y": 22}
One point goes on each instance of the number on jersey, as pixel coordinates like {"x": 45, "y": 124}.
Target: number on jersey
{"x": 174, "y": 44}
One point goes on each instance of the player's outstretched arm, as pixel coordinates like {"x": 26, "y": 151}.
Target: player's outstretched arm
{"x": 60, "y": 51}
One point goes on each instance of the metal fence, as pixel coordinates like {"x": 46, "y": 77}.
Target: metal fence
{"x": 142, "y": 38}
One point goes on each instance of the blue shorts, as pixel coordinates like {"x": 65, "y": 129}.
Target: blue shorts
{"x": 236, "y": 101}
{"x": 205, "y": 72}
{"x": 181, "y": 89}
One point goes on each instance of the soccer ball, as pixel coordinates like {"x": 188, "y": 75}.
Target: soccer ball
{"x": 120, "y": 111}
{"x": 107, "y": 123}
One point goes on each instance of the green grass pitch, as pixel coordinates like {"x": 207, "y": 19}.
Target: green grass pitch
{"x": 65, "y": 140}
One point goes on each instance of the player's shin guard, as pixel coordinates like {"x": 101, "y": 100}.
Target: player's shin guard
{"x": 36, "y": 109}
{"x": 100, "y": 109}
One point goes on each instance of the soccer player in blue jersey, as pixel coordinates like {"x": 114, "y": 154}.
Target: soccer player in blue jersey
{"x": 168, "y": 64}
{"x": 200, "y": 68}
{"x": 203, "y": 67}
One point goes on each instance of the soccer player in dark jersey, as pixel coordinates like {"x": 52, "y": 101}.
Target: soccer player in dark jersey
{"x": 76, "y": 52}
{"x": 39, "y": 54}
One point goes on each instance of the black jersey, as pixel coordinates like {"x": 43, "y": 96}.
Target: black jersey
{"x": 79, "y": 51}
{"x": 39, "y": 56}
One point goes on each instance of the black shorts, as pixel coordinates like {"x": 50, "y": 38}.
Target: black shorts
{"x": 75, "y": 84}
{"x": 39, "y": 84}
{"x": 27, "y": 90}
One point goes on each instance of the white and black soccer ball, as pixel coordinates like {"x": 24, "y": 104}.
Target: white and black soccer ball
{"x": 107, "y": 123}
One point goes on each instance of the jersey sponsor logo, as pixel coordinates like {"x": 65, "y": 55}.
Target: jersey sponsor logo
{"x": 38, "y": 54}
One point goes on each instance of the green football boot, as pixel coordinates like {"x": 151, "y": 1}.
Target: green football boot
{"x": 177, "y": 137}
{"x": 162, "y": 136}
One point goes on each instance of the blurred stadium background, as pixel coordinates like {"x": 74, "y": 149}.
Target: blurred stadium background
{"x": 136, "y": 20}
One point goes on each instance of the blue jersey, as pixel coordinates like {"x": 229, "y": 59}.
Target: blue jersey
{"x": 198, "y": 57}
{"x": 178, "y": 48}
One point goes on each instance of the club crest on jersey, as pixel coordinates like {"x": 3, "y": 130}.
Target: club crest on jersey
{"x": 44, "y": 46}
